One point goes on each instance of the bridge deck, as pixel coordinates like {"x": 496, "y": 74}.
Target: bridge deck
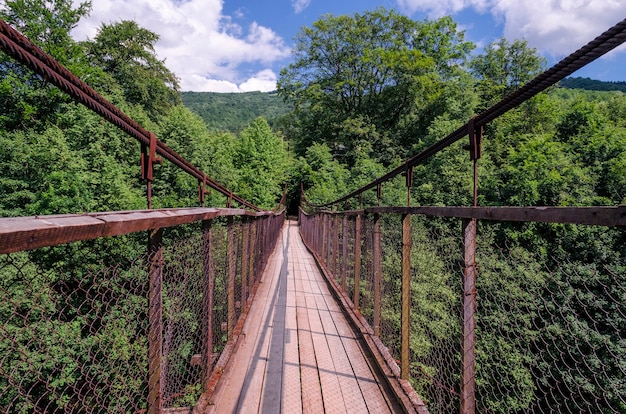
{"x": 298, "y": 353}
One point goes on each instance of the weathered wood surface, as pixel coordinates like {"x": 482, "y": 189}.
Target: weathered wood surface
{"x": 322, "y": 367}
{"x": 26, "y": 233}
{"x": 595, "y": 216}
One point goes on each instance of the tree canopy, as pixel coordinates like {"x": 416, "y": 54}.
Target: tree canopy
{"x": 378, "y": 71}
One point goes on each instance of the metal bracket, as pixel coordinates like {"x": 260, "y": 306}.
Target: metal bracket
{"x": 149, "y": 158}
{"x": 202, "y": 191}
{"x": 409, "y": 177}
{"x": 475, "y": 140}
{"x": 229, "y": 203}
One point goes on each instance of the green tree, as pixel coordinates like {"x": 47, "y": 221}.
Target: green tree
{"x": 380, "y": 68}
{"x": 26, "y": 99}
{"x": 262, "y": 163}
{"x": 126, "y": 51}
{"x": 323, "y": 178}
{"x": 504, "y": 67}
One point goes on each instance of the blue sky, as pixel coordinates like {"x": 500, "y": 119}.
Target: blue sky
{"x": 241, "y": 45}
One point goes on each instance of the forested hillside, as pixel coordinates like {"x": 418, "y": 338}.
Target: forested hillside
{"x": 234, "y": 111}
{"x": 592, "y": 84}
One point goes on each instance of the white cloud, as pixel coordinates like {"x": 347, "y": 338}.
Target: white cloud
{"x": 300, "y": 5}
{"x": 264, "y": 81}
{"x": 203, "y": 47}
{"x": 557, "y": 27}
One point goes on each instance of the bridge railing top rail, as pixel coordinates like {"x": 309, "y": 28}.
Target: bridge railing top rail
{"x": 28, "y": 233}
{"x": 608, "y": 216}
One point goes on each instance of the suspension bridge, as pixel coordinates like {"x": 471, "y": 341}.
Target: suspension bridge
{"x": 243, "y": 310}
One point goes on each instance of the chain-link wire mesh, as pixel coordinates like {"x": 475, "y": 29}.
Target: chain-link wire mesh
{"x": 436, "y": 312}
{"x": 73, "y": 328}
{"x": 550, "y": 320}
{"x": 74, "y": 319}
{"x": 551, "y": 332}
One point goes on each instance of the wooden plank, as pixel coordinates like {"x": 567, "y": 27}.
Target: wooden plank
{"x": 350, "y": 390}
{"x": 252, "y": 389}
{"x": 331, "y": 391}
{"x": 273, "y": 381}
{"x": 239, "y": 387}
{"x": 594, "y": 216}
{"x": 27, "y": 233}
{"x": 371, "y": 387}
{"x": 292, "y": 386}
{"x": 312, "y": 401}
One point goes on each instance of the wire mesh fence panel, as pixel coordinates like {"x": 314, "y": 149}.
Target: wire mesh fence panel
{"x": 391, "y": 283}
{"x": 73, "y": 330}
{"x": 182, "y": 317}
{"x": 220, "y": 293}
{"x": 352, "y": 241}
{"x": 551, "y": 319}
{"x": 366, "y": 292}
{"x": 435, "y": 312}
{"x": 236, "y": 254}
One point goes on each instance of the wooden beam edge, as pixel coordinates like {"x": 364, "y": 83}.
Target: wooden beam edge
{"x": 28, "y": 233}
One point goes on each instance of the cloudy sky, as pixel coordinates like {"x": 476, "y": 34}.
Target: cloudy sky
{"x": 241, "y": 45}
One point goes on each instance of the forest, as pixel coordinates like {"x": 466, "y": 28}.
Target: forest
{"x": 362, "y": 94}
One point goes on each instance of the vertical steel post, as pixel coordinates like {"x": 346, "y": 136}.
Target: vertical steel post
{"x": 378, "y": 272}
{"x": 406, "y": 296}
{"x": 232, "y": 268}
{"x": 344, "y": 252}
{"x": 253, "y": 254}
{"x": 405, "y": 357}
{"x": 207, "y": 302}
{"x": 335, "y": 233}
{"x": 468, "y": 384}
{"x": 155, "y": 321}
{"x": 245, "y": 262}
{"x": 324, "y": 238}
{"x": 357, "y": 262}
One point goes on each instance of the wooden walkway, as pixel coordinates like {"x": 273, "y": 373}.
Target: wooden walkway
{"x": 297, "y": 352}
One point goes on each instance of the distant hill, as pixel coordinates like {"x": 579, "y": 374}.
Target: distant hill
{"x": 592, "y": 84}
{"x": 234, "y": 111}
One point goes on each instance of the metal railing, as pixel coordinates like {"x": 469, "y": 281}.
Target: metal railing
{"x": 475, "y": 320}
{"x": 485, "y": 321}
{"x": 92, "y": 322}
{"x": 98, "y": 324}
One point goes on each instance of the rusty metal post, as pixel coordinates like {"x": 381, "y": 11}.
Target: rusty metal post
{"x": 155, "y": 321}
{"x": 378, "y": 272}
{"x": 406, "y": 296}
{"x": 232, "y": 269}
{"x": 329, "y": 239}
{"x": 253, "y": 254}
{"x": 405, "y": 345}
{"x": 357, "y": 262}
{"x": 335, "y": 231}
{"x": 207, "y": 302}
{"x": 148, "y": 160}
{"x": 468, "y": 380}
{"x": 344, "y": 252}
{"x": 324, "y": 238}
{"x": 245, "y": 262}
